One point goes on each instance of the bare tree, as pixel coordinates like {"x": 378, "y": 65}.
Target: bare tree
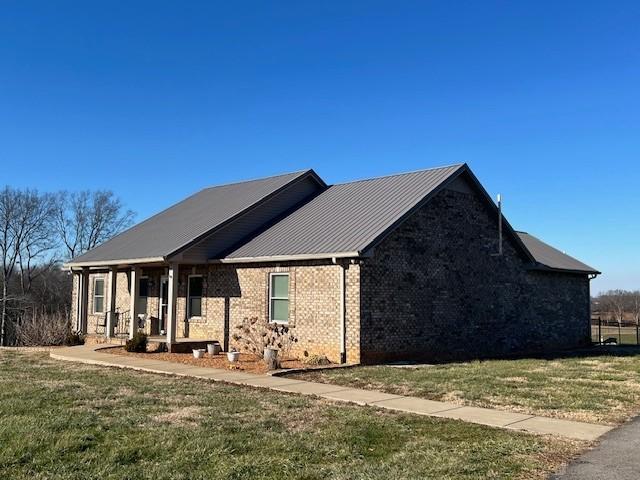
{"x": 9, "y": 249}
{"x": 614, "y": 303}
{"x": 39, "y": 236}
{"x": 26, "y": 235}
{"x": 33, "y": 228}
{"x": 86, "y": 219}
{"x": 634, "y": 305}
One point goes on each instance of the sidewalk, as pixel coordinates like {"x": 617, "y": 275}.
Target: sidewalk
{"x": 90, "y": 354}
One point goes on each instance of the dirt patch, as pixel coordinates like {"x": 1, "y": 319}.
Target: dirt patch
{"x": 247, "y": 362}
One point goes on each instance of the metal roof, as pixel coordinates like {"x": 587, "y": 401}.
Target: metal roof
{"x": 343, "y": 220}
{"x": 553, "y": 258}
{"x": 346, "y": 218}
{"x": 179, "y": 225}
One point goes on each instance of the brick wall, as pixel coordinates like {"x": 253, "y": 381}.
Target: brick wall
{"x": 435, "y": 289}
{"x": 238, "y": 292}
{"x": 233, "y": 293}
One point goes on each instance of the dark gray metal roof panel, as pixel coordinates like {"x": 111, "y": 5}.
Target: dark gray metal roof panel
{"x": 346, "y": 217}
{"x": 248, "y": 224}
{"x": 553, "y": 258}
{"x": 179, "y": 225}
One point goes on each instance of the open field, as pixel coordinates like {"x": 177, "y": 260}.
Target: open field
{"x": 591, "y": 387}
{"x": 70, "y": 421}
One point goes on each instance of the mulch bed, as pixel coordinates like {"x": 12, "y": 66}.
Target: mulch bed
{"x": 247, "y": 362}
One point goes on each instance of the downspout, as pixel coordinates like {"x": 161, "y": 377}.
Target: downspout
{"x": 343, "y": 319}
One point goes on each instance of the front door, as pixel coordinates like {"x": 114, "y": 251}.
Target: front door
{"x": 164, "y": 302}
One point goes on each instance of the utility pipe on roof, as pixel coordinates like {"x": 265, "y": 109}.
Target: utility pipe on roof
{"x": 343, "y": 319}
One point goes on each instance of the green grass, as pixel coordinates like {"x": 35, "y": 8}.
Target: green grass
{"x": 587, "y": 387}
{"x": 67, "y": 421}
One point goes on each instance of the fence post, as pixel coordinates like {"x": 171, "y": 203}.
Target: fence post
{"x": 600, "y": 330}
{"x": 637, "y": 334}
{"x": 619, "y": 332}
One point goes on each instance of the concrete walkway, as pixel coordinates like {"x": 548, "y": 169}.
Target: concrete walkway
{"x": 91, "y": 354}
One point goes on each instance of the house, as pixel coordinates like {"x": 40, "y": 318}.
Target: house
{"x": 408, "y": 265}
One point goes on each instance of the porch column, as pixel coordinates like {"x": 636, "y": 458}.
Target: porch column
{"x": 77, "y": 278}
{"x": 111, "y": 318}
{"x": 133, "y": 308}
{"x": 172, "y": 291}
{"x": 84, "y": 299}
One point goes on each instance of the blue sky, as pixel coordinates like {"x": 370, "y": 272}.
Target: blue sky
{"x": 156, "y": 100}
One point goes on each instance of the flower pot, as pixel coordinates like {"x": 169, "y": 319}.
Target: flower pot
{"x": 233, "y": 357}
{"x": 270, "y": 356}
{"x": 213, "y": 348}
{"x": 198, "y": 352}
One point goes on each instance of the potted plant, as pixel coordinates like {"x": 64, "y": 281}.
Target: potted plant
{"x": 198, "y": 352}
{"x": 233, "y": 355}
{"x": 213, "y": 348}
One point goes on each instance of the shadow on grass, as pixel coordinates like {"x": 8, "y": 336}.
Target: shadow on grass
{"x": 586, "y": 352}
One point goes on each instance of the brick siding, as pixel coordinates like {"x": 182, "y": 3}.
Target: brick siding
{"x": 435, "y": 289}
{"x": 233, "y": 293}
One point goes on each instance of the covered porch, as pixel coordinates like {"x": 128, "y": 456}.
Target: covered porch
{"x": 116, "y": 301}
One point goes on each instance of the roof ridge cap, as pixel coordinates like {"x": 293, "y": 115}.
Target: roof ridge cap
{"x": 257, "y": 179}
{"x": 380, "y": 177}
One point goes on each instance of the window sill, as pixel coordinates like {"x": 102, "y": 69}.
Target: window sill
{"x": 280, "y": 322}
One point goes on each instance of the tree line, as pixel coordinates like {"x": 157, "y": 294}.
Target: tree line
{"x": 617, "y": 305}
{"x": 38, "y": 232}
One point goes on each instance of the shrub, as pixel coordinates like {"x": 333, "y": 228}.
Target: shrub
{"x": 254, "y": 335}
{"x": 74, "y": 338}
{"x": 43, "y": 329}
{"x": 137, "y": 344}
{"x": 316, "y": 360}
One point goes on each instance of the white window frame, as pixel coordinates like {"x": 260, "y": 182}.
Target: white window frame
{"x": 271, "y": 297}
{"x": 103, "y": 296}
{"x": 189, "y": 316}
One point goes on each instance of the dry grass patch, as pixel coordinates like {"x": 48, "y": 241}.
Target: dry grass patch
{"x": 182, "y": 416}
{"x": 599, "y": 386}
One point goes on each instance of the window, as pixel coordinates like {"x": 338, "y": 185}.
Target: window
{"x": 98, "y": 295}
{"x": 143, "y": 293}
{"x": 279, "y": 297}
{"x": 195, "y": 296}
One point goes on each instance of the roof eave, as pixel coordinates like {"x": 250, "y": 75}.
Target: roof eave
{"x": 546, "y": 268}
{"x": 287, "y": 258}
{"x": 107, "y": 263}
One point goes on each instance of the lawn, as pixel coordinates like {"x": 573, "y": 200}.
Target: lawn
{"x": 592, "y": 387}
{"x": 68, "y": 421}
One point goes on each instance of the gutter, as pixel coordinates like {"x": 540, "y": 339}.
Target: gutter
{"x": 285, "y": 258}
{"x": 545, "y": 268}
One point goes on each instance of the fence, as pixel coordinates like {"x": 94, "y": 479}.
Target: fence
{"x": 623, "y": 332}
